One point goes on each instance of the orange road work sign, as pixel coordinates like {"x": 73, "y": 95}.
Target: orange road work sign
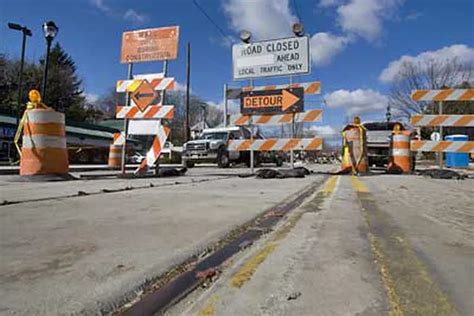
{"x": 275, "y": 101}
{"x": 150, "y": 44}
{"x": 144, "y": 95}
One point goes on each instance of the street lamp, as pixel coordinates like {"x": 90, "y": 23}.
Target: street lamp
{"x": 26, "y": 32}
{"x": 245, "y": 36}
{"x": 298, "y": 29}
{"x": 50, "y": 30}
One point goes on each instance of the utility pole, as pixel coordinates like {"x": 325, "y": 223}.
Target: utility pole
{"x": 188, "y": 83}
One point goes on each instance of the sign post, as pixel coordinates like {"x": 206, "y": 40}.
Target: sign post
{"x": 125, "y": 122}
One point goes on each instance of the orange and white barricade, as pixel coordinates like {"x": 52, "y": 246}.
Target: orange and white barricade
{"x": 400, "y": 160}
{"x": 155, "y": 151}
{"x": 313, "y": 87}
{"x": 278, "y": 144}
{"x": 151, "y": 112}
{"x": 309, "y": 116}
{"x": 44, "y": 150}
{"x": 466, "y": 120}
{"x": 443, "y": 95}
{"x": 443, "y": 146}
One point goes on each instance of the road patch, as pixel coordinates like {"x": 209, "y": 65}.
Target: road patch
{"x": 409, "y": 287}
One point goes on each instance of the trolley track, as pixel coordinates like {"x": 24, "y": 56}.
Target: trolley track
{"x": 169, "y": 288}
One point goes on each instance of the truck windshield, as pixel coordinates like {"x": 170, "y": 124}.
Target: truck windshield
{"x": 380, "y": 126}
{"x": 220, "y": 136}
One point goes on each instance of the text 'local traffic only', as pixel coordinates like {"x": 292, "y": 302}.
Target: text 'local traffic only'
{"x": 279, "y": 57}
{"x": 274, "y": 101}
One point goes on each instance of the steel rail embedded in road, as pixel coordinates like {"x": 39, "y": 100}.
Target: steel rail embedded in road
{"x": 178, "y": 285}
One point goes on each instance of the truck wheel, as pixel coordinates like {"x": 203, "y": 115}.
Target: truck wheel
{"x": 223, "y": 159}
{"x": 189, "y": 164}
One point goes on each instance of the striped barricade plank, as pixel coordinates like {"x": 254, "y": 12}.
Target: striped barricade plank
{"x": 155, "y": 151}
{"x": 443, "y": 120}
{"x": 152, "y": 111}
{"x": 442, "y": 146}
{"x": 119, "y": 139}
{"x": 313, "y": 87}
{"x": 158, "y": 84}
{"x": 443, "y": 95}
{"x": 278, "y": 144}
{"x": 268, "y": 119}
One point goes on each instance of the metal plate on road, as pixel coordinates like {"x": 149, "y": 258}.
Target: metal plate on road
{"x": 280, "y": 57}
{"x": 150, "y": 44}
{"x": 273, "y": 101}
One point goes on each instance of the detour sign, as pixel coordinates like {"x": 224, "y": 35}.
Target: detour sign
{"x": 150, "y": 44}
{"x": 273, "y": 101}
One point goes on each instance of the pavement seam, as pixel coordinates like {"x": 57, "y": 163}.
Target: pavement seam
{"x": 409, "y": 288}
{"x": 290, "y": 203}
{"x": 107, "y": 191}
{"x": 251, "y": 264}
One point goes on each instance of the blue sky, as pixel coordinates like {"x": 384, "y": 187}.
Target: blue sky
{"x": 353, "y": 42}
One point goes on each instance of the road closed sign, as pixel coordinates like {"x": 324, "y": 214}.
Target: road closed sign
{"x": 281, "y": 57}
{"x": 150, "y": 45}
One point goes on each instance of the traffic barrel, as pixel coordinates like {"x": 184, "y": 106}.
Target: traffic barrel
{"x": 44, "y": 150}
{"x": 115, "y": 156}
{"x": 400, "y": 160}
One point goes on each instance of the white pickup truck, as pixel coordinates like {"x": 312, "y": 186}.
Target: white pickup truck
{"x": 211, "y": 147}
{"x": 378, "y": 141}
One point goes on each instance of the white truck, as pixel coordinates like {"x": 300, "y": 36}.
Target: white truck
{"x": 211, "y": 147}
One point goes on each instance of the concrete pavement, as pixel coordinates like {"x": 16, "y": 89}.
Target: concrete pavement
{"x": 83, "y": 254}
{"x": 375, "y": 245}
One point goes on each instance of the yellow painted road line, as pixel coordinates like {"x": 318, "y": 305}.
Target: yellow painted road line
{"x": 330, "y": 185}
{"x": 358, "y": 185}
{"x": 409, "y": 287}
{"x": 245, "y": 273}
{"x": 249, "y": 268}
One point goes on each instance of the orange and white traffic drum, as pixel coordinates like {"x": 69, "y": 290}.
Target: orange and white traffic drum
{"x": 400, "y": 159}
{"x": 115, "y": 156}
{"x": 44, "y": 149}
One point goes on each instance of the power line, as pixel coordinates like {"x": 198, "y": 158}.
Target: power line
{"x": 210, "y": 19}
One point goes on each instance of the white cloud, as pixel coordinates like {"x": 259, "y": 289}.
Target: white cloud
{"x": 134, "y": 16}
{"x": 329, "y": 3}
{"x": 462, "y": 53}
{"x": 324, "y": 46}
{"x": 129, "y": 14}
{"x": 91, "y": 97}
{"x": 99, "y": 4}
{"x": 365, "y": 17}
{"x": 322, "y": 130}
{"x": 264, "y": 18}
{"x": 357, "y": 101}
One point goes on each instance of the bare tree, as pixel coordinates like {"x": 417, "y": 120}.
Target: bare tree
{"x": 429, "y": 74}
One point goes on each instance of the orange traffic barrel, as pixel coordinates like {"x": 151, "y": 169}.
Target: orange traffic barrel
{"x": 44, "y": 150}
{"x": 400, "y": 157}
{"x": 354, "y": 154}
{"x": 115, "y": 156}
